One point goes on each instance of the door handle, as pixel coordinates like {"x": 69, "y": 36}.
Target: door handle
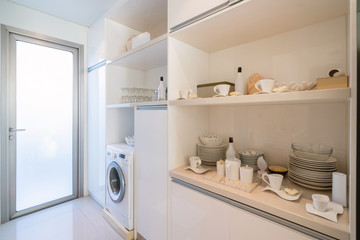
{"x": 16, "y": 129}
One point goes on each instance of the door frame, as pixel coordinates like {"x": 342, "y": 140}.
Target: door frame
{"x": 5, "y": 83}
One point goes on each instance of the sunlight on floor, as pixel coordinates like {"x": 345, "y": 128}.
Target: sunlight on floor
{"x": 80, "y": 219}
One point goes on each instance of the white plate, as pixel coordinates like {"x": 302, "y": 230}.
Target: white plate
{"x": 309, "y": 186}
{"x": 310, "y": 173}
{"x": 322, "y": 162}
{"x": 314, "y": 168}
{"x": 200, "y": 145}
{"x": 331, "y": 212}
{"x": 309, "y": 165}
{"x": 314, "y": 181}
{"x": 311, "y": 181}
{"x": 199, "y": 169}
{"x": 283, "y": 194}
{"x": 314, "y": 178}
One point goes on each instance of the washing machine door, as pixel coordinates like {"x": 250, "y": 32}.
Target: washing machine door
{"x": 115, "y": 182}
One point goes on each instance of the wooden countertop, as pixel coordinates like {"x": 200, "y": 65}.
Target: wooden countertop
{"x": 293, "y": 211}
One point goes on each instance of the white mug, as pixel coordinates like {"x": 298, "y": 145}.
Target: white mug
{"x": 246, "y": 174}
{"x": 320, "y": 202}
{"x": 275, "y": 180}
{"x": 185, "y": 93}
{"x": 195, "y": 161}
{"x": 222, "y": 89}
{"x": 232, "y": 169}
{"x": 267, "y": 85}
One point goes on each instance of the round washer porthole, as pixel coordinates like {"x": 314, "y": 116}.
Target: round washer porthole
{"x": 115, "y": 182}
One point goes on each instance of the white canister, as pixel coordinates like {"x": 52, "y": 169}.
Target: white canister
{"x": 339, "y": 188}
{"x": 232, "y": 169}
{"x": 220, "y": 168}
{"x": 246, "y": 174}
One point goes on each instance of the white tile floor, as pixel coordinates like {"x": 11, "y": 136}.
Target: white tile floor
{"x": 80, "y": 219}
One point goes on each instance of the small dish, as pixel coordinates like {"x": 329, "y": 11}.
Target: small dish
{"x": 277, "y": 169}
{"x": 219, "y": 95}
{"x": 199, "y": 169}
{"x": 333, "y": 209}
{"x": 281, "y": 193}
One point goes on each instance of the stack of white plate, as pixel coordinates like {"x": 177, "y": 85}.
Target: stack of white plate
{"x": 314, "y": 174}
{"x": 250, "y": 157}
{"x": 209, "y": 155}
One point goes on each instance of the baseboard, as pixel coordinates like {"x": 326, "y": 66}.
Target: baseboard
{"x": 124, "y": 233}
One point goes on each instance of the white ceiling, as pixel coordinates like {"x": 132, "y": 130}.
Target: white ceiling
{"x": 83, "y": 12}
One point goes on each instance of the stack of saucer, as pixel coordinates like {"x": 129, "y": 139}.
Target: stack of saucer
{"x": 209, "y": 155}
{"x": 311, "y": 173}
{"x": 250, "y": 157}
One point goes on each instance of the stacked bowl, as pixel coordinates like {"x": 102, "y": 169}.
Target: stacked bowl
{"x": 211, "y": 149}
{"x": 311, "y": 165}
{"x": 249, "y": 157}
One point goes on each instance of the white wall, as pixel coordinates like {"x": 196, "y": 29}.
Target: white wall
{"x": 299, "y": 55}
{"x": 20, "y": 17}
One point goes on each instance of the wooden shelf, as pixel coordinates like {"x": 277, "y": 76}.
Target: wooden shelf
{"x": 312, "y": 96}
{"x": 147, "y": 56}
{"x": 131, "y": 105}
{"x": 252, "y": 20}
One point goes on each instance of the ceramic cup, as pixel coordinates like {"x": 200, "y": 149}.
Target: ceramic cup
{"x": 220, "y": 169}
{"x": 275, "y": 180}
{"x": 320, "y": 202}
{"x": 222, "y": 89}
{"x": 195, "y": 161}
{"x": 246, "y": 174}
{"x": 232, "y": 169}
{"x": 185, "y": 93}
{"x": 267, "y": 85}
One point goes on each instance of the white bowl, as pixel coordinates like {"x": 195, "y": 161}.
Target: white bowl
{"x": 211, "y": 140}
{"x": 130, "y": 140}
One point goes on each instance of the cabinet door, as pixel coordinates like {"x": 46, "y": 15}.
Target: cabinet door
{"x": 150, "y": 171}
{"x": 197, "y": 216}
{"x": 181, "y": 11}
{"x": 245, "y": 225}
{"x": 96, "y": 134}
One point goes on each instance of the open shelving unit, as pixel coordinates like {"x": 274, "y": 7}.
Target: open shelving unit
{"x": 252, "y": 20}
{"x": 312, "y": 96}
{"x": 147, "y": 56}
{"x": 130, "y": 105}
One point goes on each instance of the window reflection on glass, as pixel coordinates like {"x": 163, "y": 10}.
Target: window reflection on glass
{"x": 44, "y": 107}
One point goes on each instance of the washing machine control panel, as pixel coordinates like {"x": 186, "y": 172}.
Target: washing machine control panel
{"x": 117, "y": 155}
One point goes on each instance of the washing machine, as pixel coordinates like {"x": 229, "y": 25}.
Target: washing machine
{"x": 119, "y": 183}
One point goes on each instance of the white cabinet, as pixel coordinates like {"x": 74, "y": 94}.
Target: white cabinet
{"x": 197, "y": 216}
{"x": 181, "y": 11}
{"x": 96, "y": 134}
{"x": 245, "y": 225}
{"x": 151, "y": 172}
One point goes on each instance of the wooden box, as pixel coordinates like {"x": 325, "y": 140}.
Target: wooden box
{"x": 207, "y": 90}
{"x": 333, "y": 82}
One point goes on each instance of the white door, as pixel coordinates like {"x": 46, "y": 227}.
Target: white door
{"x": 151, "y": 172}
{"x": 43, "y": 123}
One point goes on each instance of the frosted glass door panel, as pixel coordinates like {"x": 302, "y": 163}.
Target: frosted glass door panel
{"x": 96, "y": 134}
{"x": 44, "y": 108}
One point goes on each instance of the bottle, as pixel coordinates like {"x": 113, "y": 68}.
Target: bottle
{"x": 161, "y": 90}
{"x": 230, "y": 152}
{"x": 239, "y": 83}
